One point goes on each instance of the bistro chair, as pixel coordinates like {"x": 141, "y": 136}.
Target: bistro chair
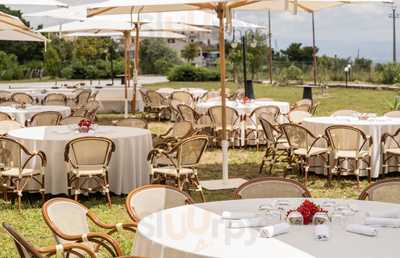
{"x": 93, "y": 95}
{"x": 71, "y": 120}
{"x": 297, "y": 117}
{"x": 57, "y": 99}
{"x": 271, "y": 187}
{"x": 253, "y": 125}
{"x": 345, "y": 112}
{"x": 183, "y": 97}
{"x": 387, "y": 190}
{"x": 305, "y": 147}
{"x": 349, "y": 145}
{"x": 390, "y": 148}
{"x": 46, "y": 118}
{"x": 4, "y": 96}
{"x": 157, "y": 104}
{"x": 22, "y": 98}
{"x": 8, "y": 125}
{"x": 82, "y": 98}
{"x": 82, "y": 112}
{"x": 87, "y": 159}
{"x": 303, "y": 107}
{"x": 15, "y": 174}
{"x": 8, "y": 104}
{"x": 232, "y": 122}
{"x": 277, "y": 146}
{"x": 26, "y": 250}
{"x": 177, "y": 132}
{"x": 69, "y": 220}
{"x": 132, "y": 122}
{"x": 92, "y": 107}
{"x": 393, "y": 114}
{"x": 184, "y": 159}
{"x": 199, "y": 122}
{"x": 149, "y": 199}
{"x": 5, "y": 117}
{"x": 300, "y": 102}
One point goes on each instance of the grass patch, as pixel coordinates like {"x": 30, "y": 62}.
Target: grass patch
{"x": 242, "y": 163}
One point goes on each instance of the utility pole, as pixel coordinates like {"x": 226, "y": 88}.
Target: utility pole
{"x": 269, "y": 47}
{"x": 394, "y": 15}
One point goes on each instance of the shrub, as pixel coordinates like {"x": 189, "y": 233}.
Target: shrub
{"x": 192, "y": 73}
{"x": 291, "y": 73}
{"x": 389, "y": 73}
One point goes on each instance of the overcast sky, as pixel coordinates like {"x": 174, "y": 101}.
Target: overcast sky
{"x": 345, "y": 31}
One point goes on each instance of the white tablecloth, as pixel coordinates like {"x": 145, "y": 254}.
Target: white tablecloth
{"x": 196, "y": 92}
{"x": 21, "y": 115}
{"x": 284, "y": 107}
{"x": 198, "y": 231}
{"x": 374, "y": 127}
{"x": 128, "y": 167}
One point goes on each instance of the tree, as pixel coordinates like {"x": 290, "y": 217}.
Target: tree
{"x": 296, "y": 53}
{"x": 52, "y": 62}
{"x": 157, "y": 57}
{"x": 190, "y": 52}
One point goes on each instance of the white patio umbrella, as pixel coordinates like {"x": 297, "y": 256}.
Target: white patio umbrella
{"x": 223, "y": 10}
{"x": 13, "y": 29}
{"x": 221, "y": 7}
{"x": 144, "y": 34}
{"x": 34, "y": 3}
{"x": 114, "y": 23}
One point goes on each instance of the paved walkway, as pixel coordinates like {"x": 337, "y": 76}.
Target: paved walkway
{"x": 143, "y": 80}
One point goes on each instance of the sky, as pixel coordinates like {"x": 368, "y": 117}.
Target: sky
{"x": 346, "y": 31}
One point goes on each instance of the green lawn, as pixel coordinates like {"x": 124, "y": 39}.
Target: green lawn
{"x": 243, "y": 163}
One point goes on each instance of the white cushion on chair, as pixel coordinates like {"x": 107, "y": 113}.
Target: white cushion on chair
{"x": 395, "y": 151}
{"x": 170, "y": 170}
{"x": 88, "y": 171}
{"x": 350, "y": 154}
{"x": 14, "y": 172}
{"x": 314, "y": 151}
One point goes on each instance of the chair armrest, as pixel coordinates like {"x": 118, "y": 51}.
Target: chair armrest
{"x": 69, "y": 248}
{"x": 316, "y": 140}
{"x": 113, "y": 227}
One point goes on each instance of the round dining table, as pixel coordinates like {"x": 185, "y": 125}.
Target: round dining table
{"x": 374, "y": 127}
{"x": 196, "y": 92}
{"x": 22, "y": 114}
{"x": 243, "y": 109}
{"x": 128, "y": 167}
{"x": 199, "y": 231}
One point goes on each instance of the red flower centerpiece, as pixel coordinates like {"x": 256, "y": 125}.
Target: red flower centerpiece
{"x": 307, "y": 209}
{"x": 245, "y": 100}
{"x": 84, "y": 125}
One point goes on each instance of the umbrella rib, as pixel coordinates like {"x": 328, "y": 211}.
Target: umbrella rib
{"x": 242, "y": 3}
{"x": 94, "y": 12}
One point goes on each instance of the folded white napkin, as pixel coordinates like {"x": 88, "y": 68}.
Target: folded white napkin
{"x": 238, "y": 215}
{"x": 274, "y": 230}
{"x": 321, "y": 232}
{"x": 361, "y": 229}
{"x": 394, "y": 214}
{"x": 383, "y": 222}
{"x": 261, "y": 221}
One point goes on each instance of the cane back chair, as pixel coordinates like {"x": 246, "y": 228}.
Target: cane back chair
{"x": 232, "y": 122}
{"x": 305, "y": 147}
{"x": 69, "y": 222}
{"x": 132, "y": 122}
{"x": 348, "y": 143}
{"x": 271, "y": 187}
{"x": 57, "y": 99}
{"x": 184, "y": 159}
{"x": 387, "y": 190}
{"x": 22, "y": 98}
{"x": 149, "y": 199}
{"x": 15, "y": 173}
{"x": 45, "y": 118}
{"x": 26, "y": 250}
{"x": 87, "y": 159}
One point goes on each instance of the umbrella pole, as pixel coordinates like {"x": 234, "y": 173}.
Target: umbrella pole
{"x": 314, "y": 50}
{"x": 127, "y": 39}
{"x": 270, "y": 47}
{"x": 224, "y": 143}
{"x": 136, "y": 63}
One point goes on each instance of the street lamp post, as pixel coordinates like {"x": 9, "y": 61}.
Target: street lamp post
{"x": 347, "y": 72}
